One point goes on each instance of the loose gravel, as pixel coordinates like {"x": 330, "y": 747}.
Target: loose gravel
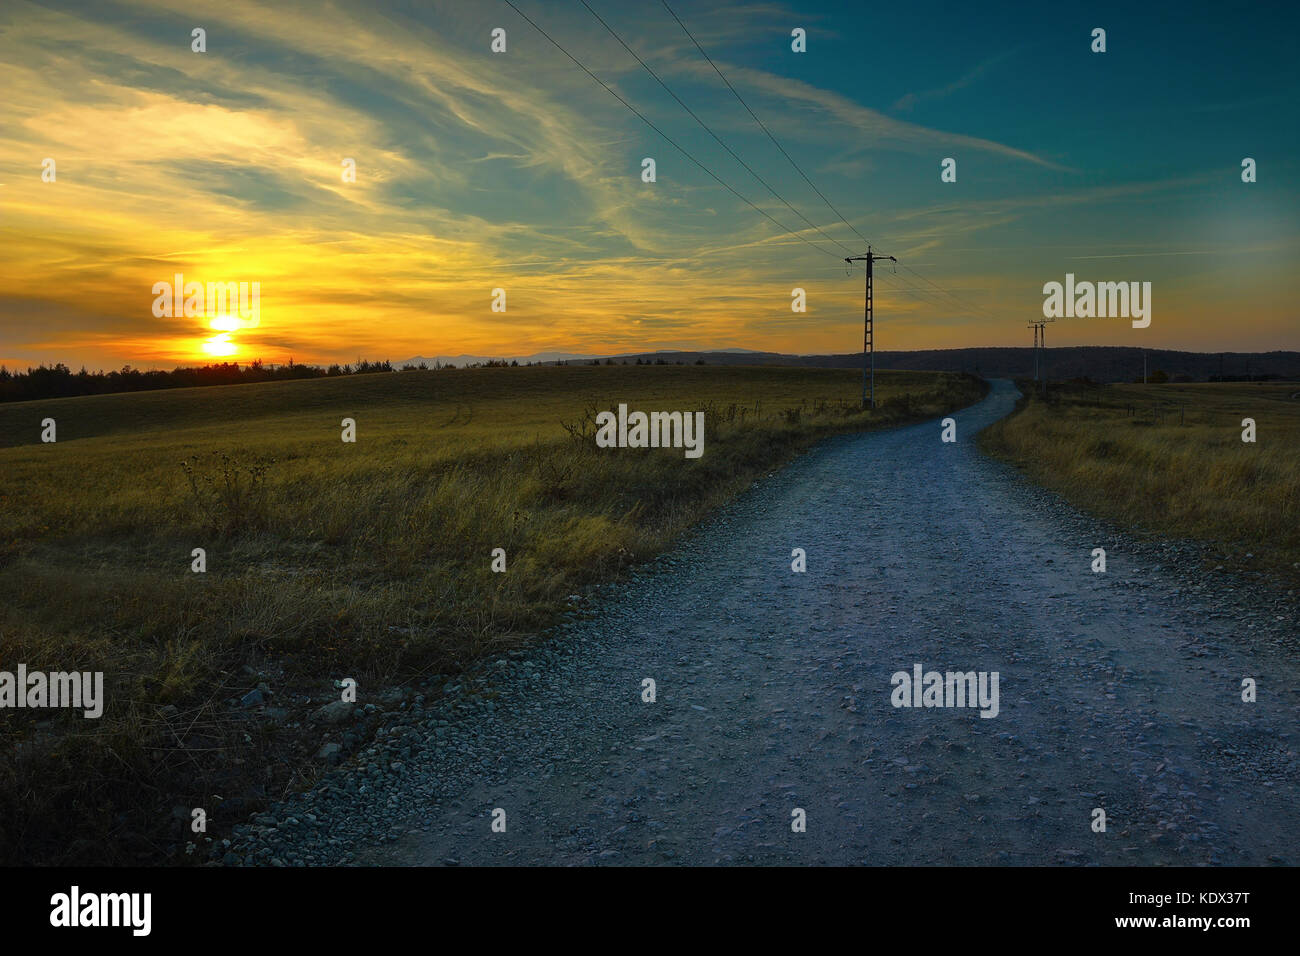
{"x": 1119, "y": 691}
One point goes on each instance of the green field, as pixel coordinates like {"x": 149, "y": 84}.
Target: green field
{"x": 328, "y": 560}
{"x": 1170, "y": 460}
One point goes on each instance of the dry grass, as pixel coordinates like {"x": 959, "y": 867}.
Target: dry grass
{"x": 1169, "y": 459}
{"x": 327, "y": 560}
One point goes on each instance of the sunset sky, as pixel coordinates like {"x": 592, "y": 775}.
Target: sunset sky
{"x": 478, "y": 170}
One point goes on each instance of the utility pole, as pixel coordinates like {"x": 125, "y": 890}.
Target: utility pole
{"x": 1040, "y": 343}
{"x": 1042, "y": 351}
{"x": 868, "y": 339}
{"x": 1035, "y": 326}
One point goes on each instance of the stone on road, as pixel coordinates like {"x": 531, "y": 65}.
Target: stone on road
{"x": 1117, "y": 691}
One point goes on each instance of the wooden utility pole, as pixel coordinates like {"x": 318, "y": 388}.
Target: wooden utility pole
{"x": 868, "y": 335}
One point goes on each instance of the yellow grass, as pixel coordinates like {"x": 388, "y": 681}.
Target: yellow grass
{"x": 1170, "y": 459}
{"x": 368, "y": 560}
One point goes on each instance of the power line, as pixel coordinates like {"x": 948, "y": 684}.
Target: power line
{"x": 902, "y": 286}
{"x": 952, "y": 295}
{"x": 907, "y": 286}
{"x": 670, "y": 140}
{"x": 935, "y": 292}
{"x": 708, "y": 130}
{"x": 761, "y": 124}
{"x": 718, "y": 179}
{"x": 799, "y": 169}
{"x": 931, "y": 295}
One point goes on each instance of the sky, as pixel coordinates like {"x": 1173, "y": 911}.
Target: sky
{"x": 478, "y": 170}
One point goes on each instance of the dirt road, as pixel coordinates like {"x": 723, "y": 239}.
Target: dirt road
{"x": 1118, "y": 691}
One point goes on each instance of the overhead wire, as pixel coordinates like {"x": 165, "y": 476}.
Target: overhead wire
{"x": 799, "y": 169}
{"x": 681, "y": 149}
{"x": 762, "y": 125}
{"x": 902, "y": 280}
{"x": 705, "y": 126}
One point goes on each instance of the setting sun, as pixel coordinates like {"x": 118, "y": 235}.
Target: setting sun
{"x": 219, "y": 345}
{"x": 226, "y": 323}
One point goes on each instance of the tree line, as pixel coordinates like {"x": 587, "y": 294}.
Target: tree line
{"x": 59, "y": 381}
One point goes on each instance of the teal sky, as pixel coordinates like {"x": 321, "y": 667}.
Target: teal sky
{"x": 479, "y": 170}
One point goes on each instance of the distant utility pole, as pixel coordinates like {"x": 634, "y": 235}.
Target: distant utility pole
{"x": 1042, "y": 351}
{"x": 868, "y": 339}
{"x": 1040, "y": 343}
{"x": 1036, "y": 326}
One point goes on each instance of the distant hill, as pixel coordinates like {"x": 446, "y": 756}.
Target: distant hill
{"x": 460, "y": 361}
{"x": 1099, "y": 363}
{"x": 549, "y": 358}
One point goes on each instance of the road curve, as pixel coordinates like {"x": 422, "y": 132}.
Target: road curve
{"x": 1118, "y": 691}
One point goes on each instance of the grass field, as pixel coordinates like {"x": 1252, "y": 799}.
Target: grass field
{"x": 328, "y": 560}
{"x": 1170, "y": 459}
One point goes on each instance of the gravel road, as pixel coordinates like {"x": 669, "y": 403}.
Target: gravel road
{"x": 1119, "y": 691}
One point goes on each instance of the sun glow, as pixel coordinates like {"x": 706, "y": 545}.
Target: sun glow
{"x": 219, "y": 345}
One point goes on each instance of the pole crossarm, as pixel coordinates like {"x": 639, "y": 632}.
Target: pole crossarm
{"x": 1040, "y": 345}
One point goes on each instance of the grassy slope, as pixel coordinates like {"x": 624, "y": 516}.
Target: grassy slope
{"x": 1193, "y": 478}
{"x": 368, "y": 560}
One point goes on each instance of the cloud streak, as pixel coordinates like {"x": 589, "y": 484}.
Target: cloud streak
{"x": 474, "y": 171}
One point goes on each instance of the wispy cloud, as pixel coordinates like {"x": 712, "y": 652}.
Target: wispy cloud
{"x": 474, "y": 171}
{"x": 908, "y": 101}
